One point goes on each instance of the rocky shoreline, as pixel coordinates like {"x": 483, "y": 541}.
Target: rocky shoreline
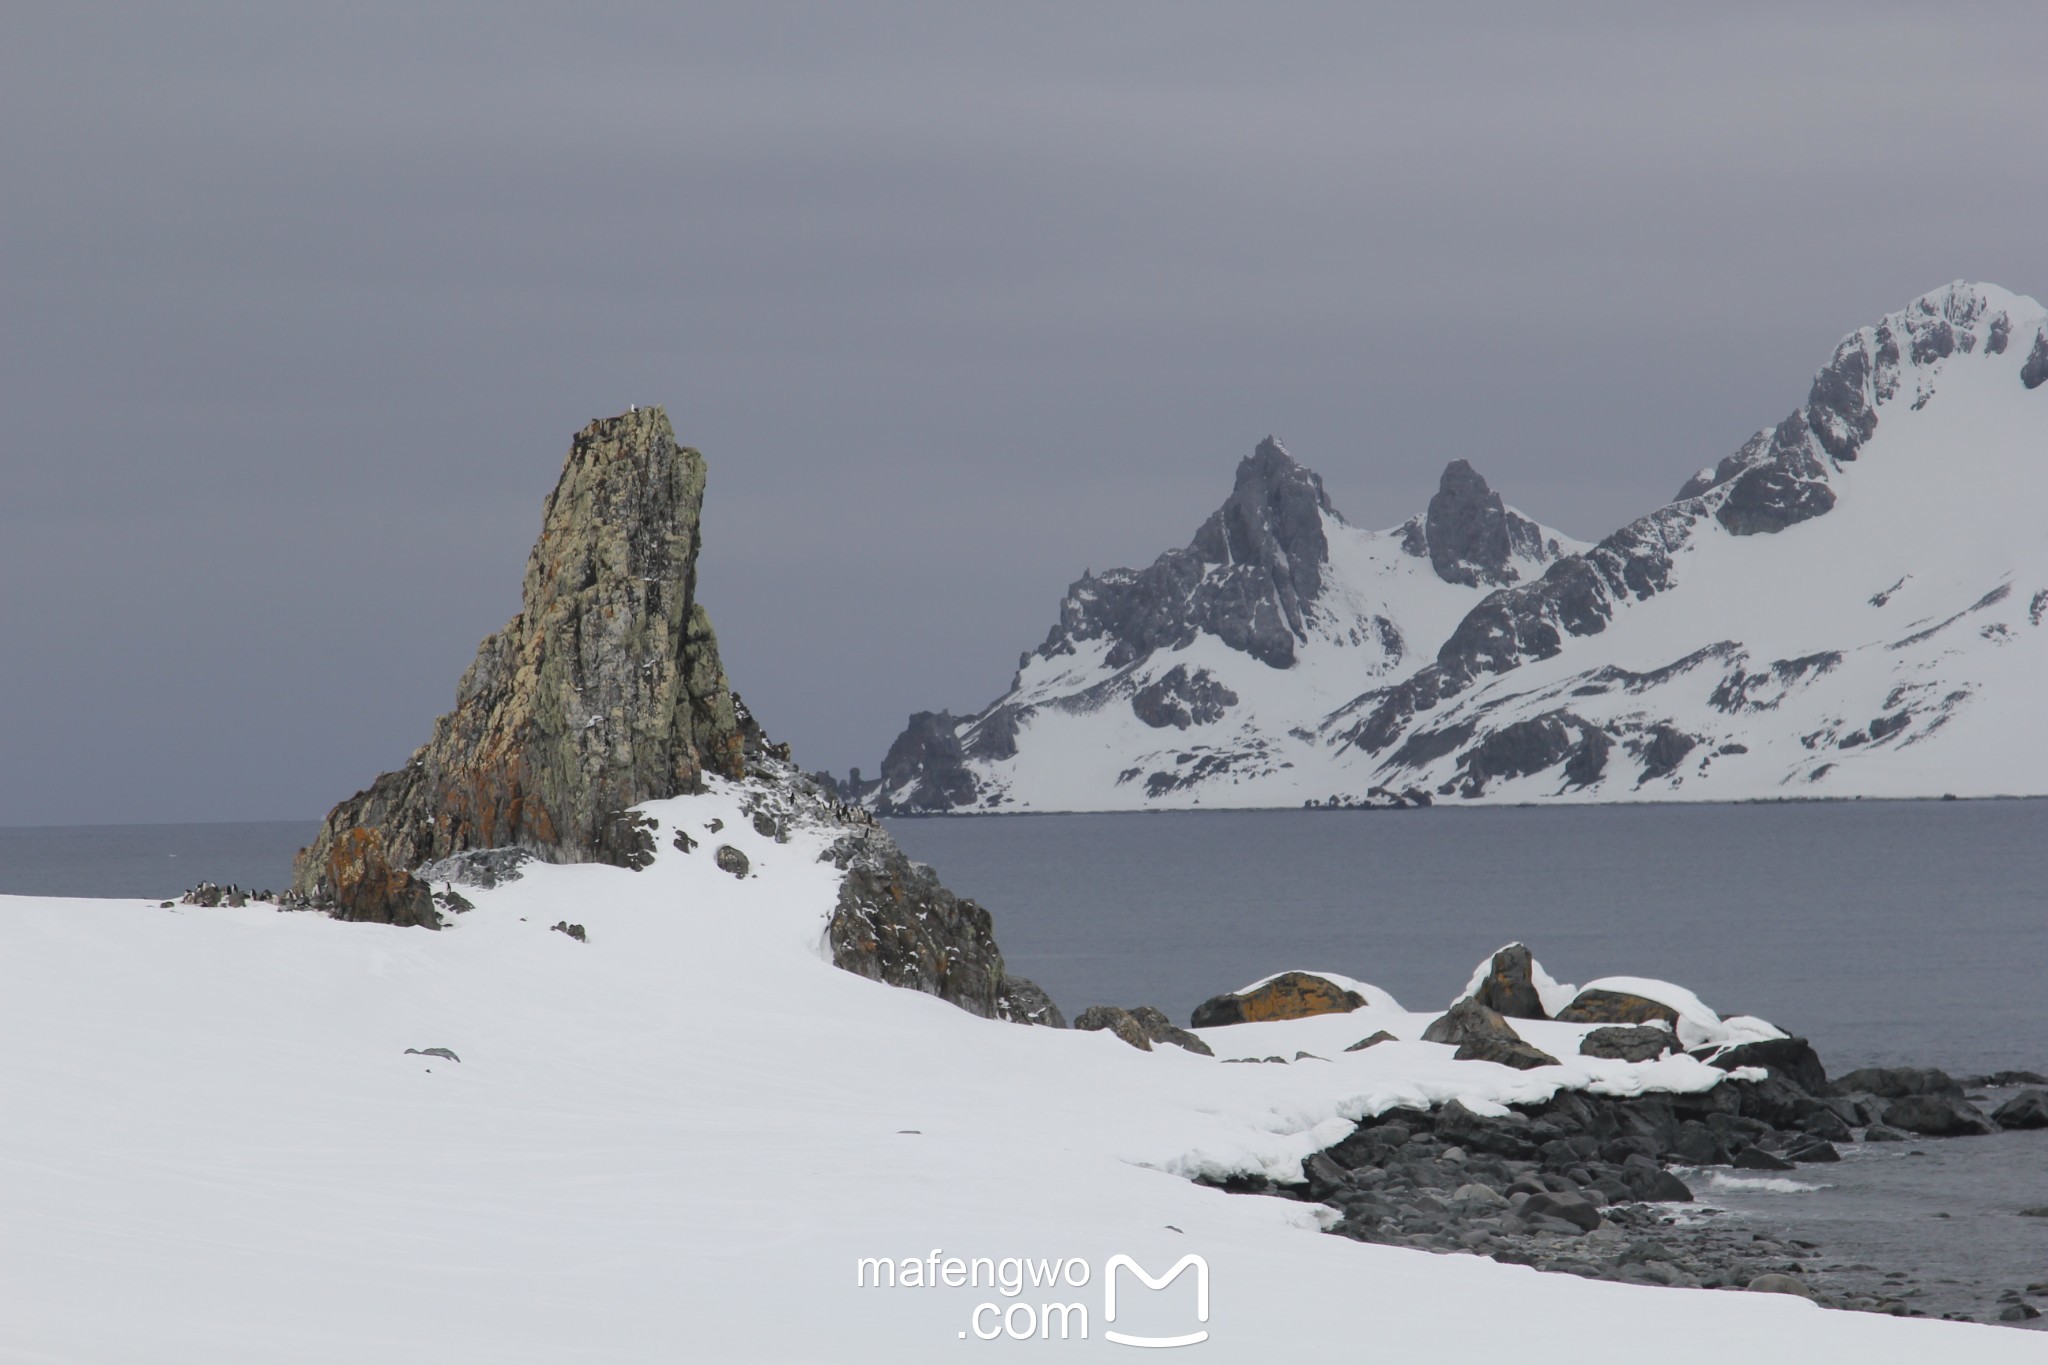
{"x": 1598, "y": 1185}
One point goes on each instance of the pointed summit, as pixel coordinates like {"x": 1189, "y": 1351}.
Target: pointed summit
{"x": 1273, "y": 519}
{"x": 1471, "y": 536}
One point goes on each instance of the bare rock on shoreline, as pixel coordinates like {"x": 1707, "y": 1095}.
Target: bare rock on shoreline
{"x": 604, "y": 691}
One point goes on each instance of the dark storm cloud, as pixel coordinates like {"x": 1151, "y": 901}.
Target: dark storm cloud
{"x": 301, "y": 312}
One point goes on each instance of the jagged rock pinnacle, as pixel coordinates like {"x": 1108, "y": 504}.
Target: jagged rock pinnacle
{"x": 604, "y": 691}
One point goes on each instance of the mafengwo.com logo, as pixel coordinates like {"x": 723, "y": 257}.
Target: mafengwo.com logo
{"x": 1041, "y": 1299}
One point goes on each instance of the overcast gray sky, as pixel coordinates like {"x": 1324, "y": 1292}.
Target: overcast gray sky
{"x": 302, "y": 309}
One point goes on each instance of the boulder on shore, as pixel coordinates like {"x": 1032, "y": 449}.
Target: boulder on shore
{"x": 1290, "y": 995}
{"x": 1616, "y": 1007}
{"x": 1482, "y": 1035}
{"x": 1789, "y": 1059}
{"x": 1897, "y": 1082}
{"x": 1509, "y": 988}
{"x": 2028, "y": 1109}
{"x": 1938, "y": 1116}
{"x": 1628, "y": 1043}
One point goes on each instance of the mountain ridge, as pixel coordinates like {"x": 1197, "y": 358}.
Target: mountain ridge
{"x": 1589, "y": 631}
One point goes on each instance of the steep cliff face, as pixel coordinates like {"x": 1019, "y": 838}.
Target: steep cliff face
{"x": 605, "y": 690}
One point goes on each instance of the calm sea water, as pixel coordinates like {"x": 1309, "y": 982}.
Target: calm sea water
{"x": 1887, "y": 932}
{"x": 153, "y": 862}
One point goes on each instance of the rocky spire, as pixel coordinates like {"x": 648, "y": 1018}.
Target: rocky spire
{"x": 1472, "y": 536}
{"x": 604, "y": 691}
{"x": 1273, "y": 519}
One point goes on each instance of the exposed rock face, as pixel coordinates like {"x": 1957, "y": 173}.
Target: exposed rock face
{"x": 928, "y": 757}
{"x": 1247, "y": 577}
{"x": 1510, "y": 986}
{"x": 896, "y": 924}
{"x": 1471, "y": 534}
{"x": 1938, "y": 1116}
{"x": 1791, "y": 1059}
{"x": 1111, "y": 1019}
{"x": 1626, "y": 1043}
{"x": 1616, "y": 1007}
{"x": 604, "y": 691}
{"x": 1290, "y": 995}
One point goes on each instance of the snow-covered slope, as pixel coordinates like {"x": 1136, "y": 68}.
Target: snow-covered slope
{"x": 672, "y": 1143}
{"x": 1197, "y": 675}
{"x": 1855, "y": 603}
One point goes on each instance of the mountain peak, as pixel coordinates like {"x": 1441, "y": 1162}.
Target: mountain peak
{"x": 1470, "y": 536}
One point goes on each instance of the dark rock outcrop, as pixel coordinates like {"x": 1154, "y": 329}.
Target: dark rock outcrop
{"x": 1248, "y": 577}
{"x": 1465, "y": 1021}
{"x": 1616, "y": 1007}
{"x": 1290, "y": 995}
{"x": 1111, "y": 1019}
{"x": 1484, "y": 1035}
{"x": 1141, "y": 1027}
{"x": 1897, "y": 1082}
{"x": 604, "y": 691}
{"x": 1471, "y": 535}
{"x": 1026, "y": 1003}
{"x": 896, "y": 924}
{"x": 2028, "y": 1109}
{"x": 1180, "y": 699}
{"x": 1626, "y": 1043}
{"x": 1510, "y": 985}
{"x": 928, "y": 765}
{"x": 1161, "y": 1029}
{"x": 2034, "y": 372}
{"x": 1938, "y": 1116}
{"x": 1790, "y": 1059}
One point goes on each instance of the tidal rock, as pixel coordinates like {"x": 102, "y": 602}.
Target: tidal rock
{"x": 1290, "y": 995}
{"x": 1877, "y": 1132}
{"x": 1616, "y": 1007}
{"x": 1509, "y": 988}
{"x": 1111, "y": 1019}
{"x": 1897, "y": 1082}
{"x": 2028, "y": 1109}
{"x": 730, "y": 859}
{"x": 605, "y": 690}
{"x": 1807, "y": 1149}
{"x": 1580, "y": 1213}
{"x": 1627, "y": 1043}
{"x": 1938, "y": 1116}
{"x": 1790, "y": 1059}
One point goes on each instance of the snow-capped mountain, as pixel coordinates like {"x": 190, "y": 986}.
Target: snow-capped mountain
{"x": 1163, "y": 684}
{"x": 1853, "y": 603}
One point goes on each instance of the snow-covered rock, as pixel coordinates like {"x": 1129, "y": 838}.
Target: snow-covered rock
{"x": 1854, "y": 603}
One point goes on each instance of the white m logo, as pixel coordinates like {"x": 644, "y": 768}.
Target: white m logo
{"x": 1109, "y": 1270}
